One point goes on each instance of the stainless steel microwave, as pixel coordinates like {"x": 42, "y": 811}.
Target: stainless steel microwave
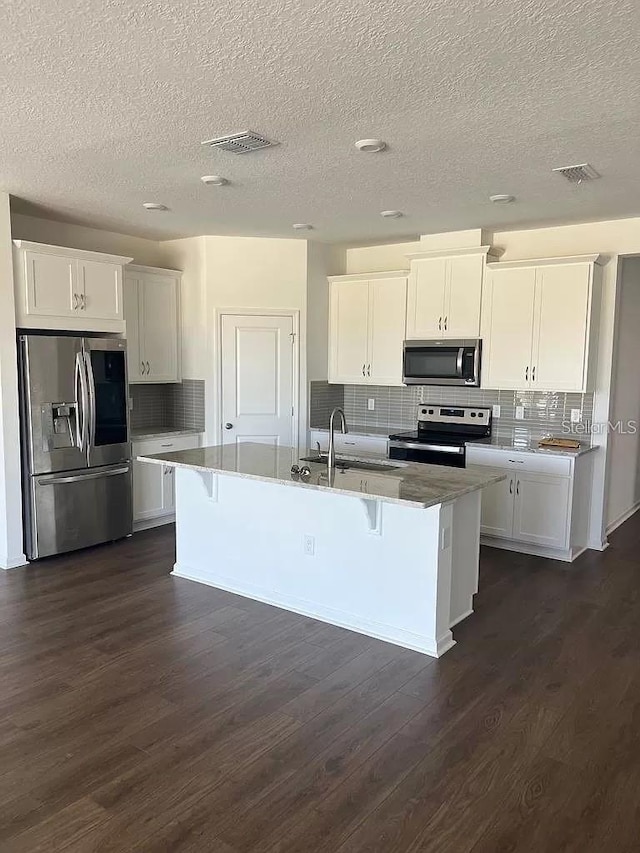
{"x": 443, "y": 362}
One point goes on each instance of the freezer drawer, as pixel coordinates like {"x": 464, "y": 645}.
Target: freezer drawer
{"x": 76, "y": 509}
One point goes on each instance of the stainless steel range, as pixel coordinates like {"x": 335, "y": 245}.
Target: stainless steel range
{"x": 442, "y": 434}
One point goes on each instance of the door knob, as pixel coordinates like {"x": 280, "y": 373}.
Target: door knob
{"x": 228, "y": 426}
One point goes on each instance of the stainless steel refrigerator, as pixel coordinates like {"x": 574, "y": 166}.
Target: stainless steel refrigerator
{"x": 76, "y": 455}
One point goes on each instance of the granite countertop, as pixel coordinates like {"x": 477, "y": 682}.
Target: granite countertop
{"x": 516, "y": 445}
{"x": 149, "y": 433}
{"x": 406, "y": 483}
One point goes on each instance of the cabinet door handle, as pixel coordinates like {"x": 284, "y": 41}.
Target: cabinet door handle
{"x": 446, "y": 319}
{"x": 368, "y": 370}
{"x": 533, "y": 374}
{"x": 440, "y": 324}
{"x": 75, "y": 301}
{"x": 364, "y": 372}
{"x": 518, "y": 487}
{"x": 526, "y": 374}
{"x": 83, "y": 301}
{"x": 510, "y": 487}
{"x": 148, "y": 369}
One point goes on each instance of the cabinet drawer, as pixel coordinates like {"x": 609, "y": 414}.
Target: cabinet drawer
{"x": 539, "y": 463}
{"x": 170, "y": 444}
{"x": 351, "y": 443}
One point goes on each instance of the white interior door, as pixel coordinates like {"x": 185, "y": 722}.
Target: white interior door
{"x": 258, "y": 371}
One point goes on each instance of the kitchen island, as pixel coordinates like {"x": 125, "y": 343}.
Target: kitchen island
{"x": 388, "y": 549}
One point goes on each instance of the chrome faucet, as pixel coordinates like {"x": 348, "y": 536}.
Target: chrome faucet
{"x": 331, "y": 455}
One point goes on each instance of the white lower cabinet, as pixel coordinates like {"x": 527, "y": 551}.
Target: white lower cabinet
{"x": 154, "y": 485}
{"x": 540, "y": 507}
{"x": 350, "y": 443}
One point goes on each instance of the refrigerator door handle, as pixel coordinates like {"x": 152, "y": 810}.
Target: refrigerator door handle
{"x": 82, "y": 404}
{"x": 91, "y": 438}
{"x": 55, "y": 479}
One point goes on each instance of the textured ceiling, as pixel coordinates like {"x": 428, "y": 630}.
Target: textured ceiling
{"x": 104, "y": 104}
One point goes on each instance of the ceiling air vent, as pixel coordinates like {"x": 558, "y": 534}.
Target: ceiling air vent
{"x": 578, "y": 174}
{"x": 241, "y": 143}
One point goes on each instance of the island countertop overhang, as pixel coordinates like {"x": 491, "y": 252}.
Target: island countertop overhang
{"x": 410, "y": 484}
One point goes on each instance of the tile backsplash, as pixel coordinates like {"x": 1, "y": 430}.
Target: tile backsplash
{"x": 395, "y": 408}
{"x": 179, "y": 406}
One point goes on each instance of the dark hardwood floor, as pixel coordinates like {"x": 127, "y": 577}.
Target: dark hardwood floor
{"x": 146, "y": 713}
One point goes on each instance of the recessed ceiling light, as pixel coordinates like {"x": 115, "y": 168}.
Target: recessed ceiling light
{"x": 154, "y": 205}
{"x": 302, "y": 226}
{"x": 214, "y": 180}
{"x": 391, "y": 214}
{"x": 502, "y": 199}
{"x": 370, "y": 146}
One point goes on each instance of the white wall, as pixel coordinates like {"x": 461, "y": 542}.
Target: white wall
{"x": 92, "y": 239}
{"x": 236, "y": 272}
{"x": 322, "y": 260}
{"x": 623, "y": 492}
{"x": 11, "y": 553}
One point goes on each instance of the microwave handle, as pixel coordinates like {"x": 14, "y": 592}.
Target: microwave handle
{"x": 476, "y": 363}
{"x": 459, "y": 361}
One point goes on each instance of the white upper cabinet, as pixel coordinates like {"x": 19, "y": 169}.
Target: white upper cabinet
{"x": 540, "y": 324}
{"x": 387, "y": 319}
{"x": 152, "y": 314}
{"x": 67, "y": 289}
{"x": 100, "y": 288}
{"x": 445, "y": 294}
{"x": 426, "y": 298}
{"x": 348, "y": 332}
{"x": 507, "y": 328}
{"x": 367, "y": 317}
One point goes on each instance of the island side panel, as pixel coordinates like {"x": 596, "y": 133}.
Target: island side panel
{"x": 248, "y": 537}
{"x": 465, "y": 555}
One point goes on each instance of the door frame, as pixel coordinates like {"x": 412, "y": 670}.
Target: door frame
{"x": 291, "y": 313}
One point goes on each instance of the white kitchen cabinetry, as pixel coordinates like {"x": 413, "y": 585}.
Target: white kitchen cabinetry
{"x": 445, "y": 293}
{"x": 154, "y": 485}
{"x": 350, "y": 443}
{"x": 543, "y": 505}
{"x": 67, "y": 289}
{"x": 367, "y": 317}
{"x": 540, "y": 324}
{"x": 152, "y": 315}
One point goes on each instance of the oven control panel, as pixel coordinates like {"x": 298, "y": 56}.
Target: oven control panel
{"x": 463, "y": 415}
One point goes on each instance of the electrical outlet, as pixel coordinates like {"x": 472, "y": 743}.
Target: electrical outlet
{"x": 371, "y": 404}
{"x": 309, "y": 545}
{"x": 496, "y": 411}
{"x": 519, "y": 413}
{"x": 576, "y": 416}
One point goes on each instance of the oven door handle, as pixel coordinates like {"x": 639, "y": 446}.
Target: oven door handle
{"x": 459, "y": 361}
{"x": 441, "y": 448}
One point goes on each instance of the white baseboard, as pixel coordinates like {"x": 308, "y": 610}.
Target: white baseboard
{"x": 534, "y": 550}
{"x": 388, "y": 633}
{"x": 148, "y": 523}
{"x": 8, "y": 563}
{"x": 624, "y": 517}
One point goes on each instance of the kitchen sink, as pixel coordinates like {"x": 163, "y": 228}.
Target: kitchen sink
{"x": 343, "y": 464}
